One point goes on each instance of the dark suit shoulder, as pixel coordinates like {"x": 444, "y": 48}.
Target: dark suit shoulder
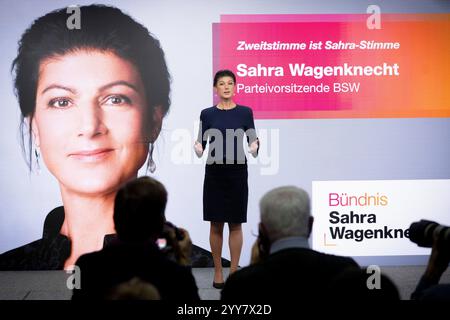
{"x": 312, "y": 256}
{"x": 295, "y": 267}
{"x": 117, "y": 263}
{"x": 48, "y": 253}
{"x": 344, "y": 260}
{"x": 20, "y": 258}
{"x": 310, "y": 262}
{"x": 43, "y": 254}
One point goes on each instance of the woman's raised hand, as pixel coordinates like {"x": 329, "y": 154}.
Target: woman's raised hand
{"x": 198, "y": 149}
{"x": 254, "y": 148}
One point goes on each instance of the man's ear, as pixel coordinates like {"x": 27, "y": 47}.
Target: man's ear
{"x": 310, "y": 225}
{"x": 263, "y": 241}
{"x": 262, "y": 229}
{"x": 34, "y": 131}
{"x": 156, "y": 124}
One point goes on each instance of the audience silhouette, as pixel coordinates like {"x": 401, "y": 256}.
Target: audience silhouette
{"x": 283, "y": 265}
{"x": 357, "y": 284}
{"x": 139, "y": 221}
{"x": 428, "y": 288}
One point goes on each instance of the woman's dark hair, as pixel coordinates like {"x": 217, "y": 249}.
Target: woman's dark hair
{"x": 139, "y": 209}
{"x": 224, "y": 73}
{"x": 103, "y": 28}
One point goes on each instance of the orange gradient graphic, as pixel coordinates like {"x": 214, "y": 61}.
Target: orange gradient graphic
{"x": 420, "y": 90}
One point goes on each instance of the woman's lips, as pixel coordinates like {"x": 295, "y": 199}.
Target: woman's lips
{"x": 91, "y": 155}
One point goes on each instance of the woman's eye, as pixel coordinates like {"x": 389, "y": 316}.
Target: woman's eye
{"x": 117, "y": 100}
{"x": 60, "y": 103}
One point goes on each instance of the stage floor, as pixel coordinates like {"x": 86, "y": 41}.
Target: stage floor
{"x": 51, "y": 285}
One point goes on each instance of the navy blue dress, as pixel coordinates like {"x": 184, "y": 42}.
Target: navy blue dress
{"x": 225, "y": 188}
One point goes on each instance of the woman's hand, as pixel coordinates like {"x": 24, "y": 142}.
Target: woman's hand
{"x": 254, "y": 148}
{"x": 198, "y": 149}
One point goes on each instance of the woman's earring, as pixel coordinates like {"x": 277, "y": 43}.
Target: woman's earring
{"x": 38, "y": 156}
{"x": 151, "y": 166}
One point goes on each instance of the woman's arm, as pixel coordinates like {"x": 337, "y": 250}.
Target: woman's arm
{"x": 252, "y": 138}
{"x": 200, "y": 143}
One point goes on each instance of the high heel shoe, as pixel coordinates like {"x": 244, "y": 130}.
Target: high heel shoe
{"x": 218, "y": 285}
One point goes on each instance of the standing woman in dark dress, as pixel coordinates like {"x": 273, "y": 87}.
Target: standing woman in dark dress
{"x": 225, "y": 189}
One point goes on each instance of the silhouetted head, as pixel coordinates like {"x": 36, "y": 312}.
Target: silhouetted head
{"x": 134, "y": 289}
{"x": 139, "y": 210}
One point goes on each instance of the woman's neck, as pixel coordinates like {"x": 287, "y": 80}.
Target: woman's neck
{"x": 226, "y": 104}
{"x": 87, "y": 220}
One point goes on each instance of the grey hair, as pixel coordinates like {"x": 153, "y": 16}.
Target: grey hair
{"x": 285, "y": 212}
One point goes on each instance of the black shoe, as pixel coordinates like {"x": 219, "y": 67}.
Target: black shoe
{"x": 218, "y": 285}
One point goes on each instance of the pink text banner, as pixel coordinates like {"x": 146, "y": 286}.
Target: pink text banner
{"x": 334, "y": 66}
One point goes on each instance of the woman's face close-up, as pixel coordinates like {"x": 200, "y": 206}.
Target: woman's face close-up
{"x": 225, "y": 87}
{"x": 90, "y": 120}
